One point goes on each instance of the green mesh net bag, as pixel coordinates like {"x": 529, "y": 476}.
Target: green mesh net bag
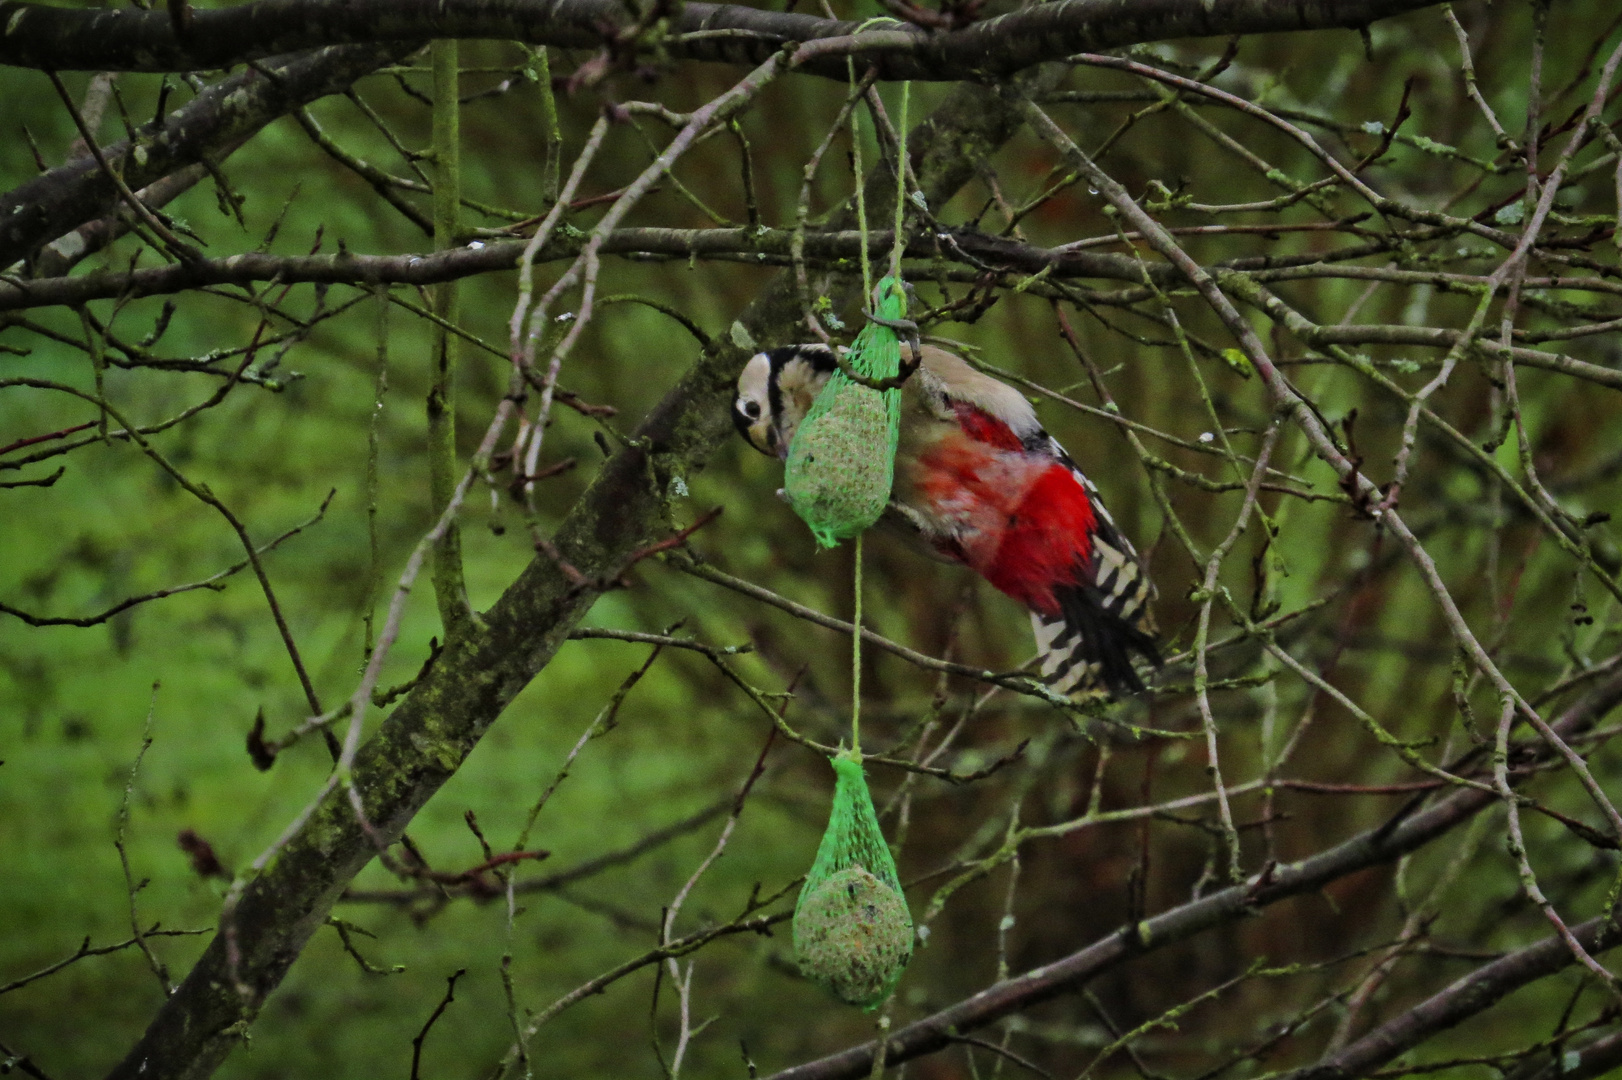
{"x": 852, "y": 930}
{"x": 842, "y": 459}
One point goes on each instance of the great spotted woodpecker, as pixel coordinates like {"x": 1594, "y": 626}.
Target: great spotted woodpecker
{"x": 979, "y": 482}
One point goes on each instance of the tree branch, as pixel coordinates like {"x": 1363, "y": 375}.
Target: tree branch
{"x": 1402, "y": 834}
{"x": 960, "y": 245}
{"x": 1474, "y": 993}
{"x": 223, "y": 115}
{"x": 42, "y": 36}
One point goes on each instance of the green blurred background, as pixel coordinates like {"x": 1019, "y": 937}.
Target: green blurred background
{"x": 74, "y": 701}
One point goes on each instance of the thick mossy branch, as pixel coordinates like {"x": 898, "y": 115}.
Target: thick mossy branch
{"x": 43, "y": 36}
{"x": 425, "y": 740}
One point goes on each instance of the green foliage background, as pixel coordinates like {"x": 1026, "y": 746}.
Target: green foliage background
{"x": 197, "y": 667}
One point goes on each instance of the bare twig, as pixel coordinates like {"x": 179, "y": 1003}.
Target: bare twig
{"x": 159, "y": 970}
{"x": 212, "y": 582}
{"x": 433, "y": 1018}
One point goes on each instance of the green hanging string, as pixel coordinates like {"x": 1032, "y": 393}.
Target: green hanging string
{"x": 856, "y": 170}
{"x": 900, "y": 185}
{"x": 856, "y": 660}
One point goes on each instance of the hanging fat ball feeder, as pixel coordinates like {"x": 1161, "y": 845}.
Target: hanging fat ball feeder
{"x": 841, "y": 461}
{"x": 852, "y": 930}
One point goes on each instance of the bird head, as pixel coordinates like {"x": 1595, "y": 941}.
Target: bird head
{"x": 776, "y": 390}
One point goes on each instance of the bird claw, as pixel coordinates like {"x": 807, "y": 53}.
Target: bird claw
{"x": 907, "y": 330}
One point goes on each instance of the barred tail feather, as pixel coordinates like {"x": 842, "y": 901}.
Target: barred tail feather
{"x": 1086, "y": 649}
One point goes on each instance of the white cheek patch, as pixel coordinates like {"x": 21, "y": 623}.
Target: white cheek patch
{"x": 753, "y": 379}
{"x": 754, "y": 390}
